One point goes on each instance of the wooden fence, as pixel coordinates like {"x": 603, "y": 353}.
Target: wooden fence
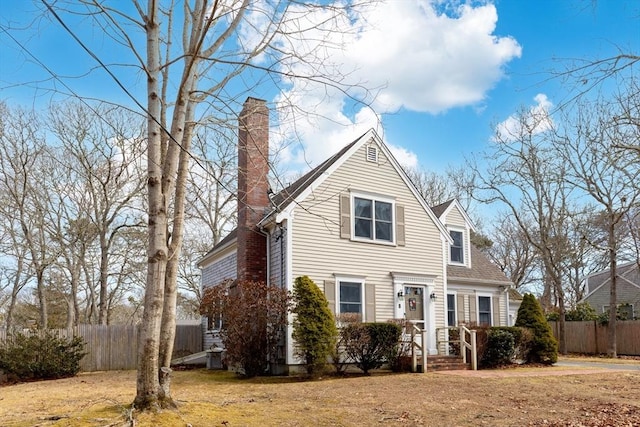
{"x": 114, "y": 347}
{"x": 590, "y": 337}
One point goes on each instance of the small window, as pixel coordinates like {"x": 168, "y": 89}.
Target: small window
{"x": 372, "y": 154}
{"x": 373, "y": 219}
{"x": 351, "y": 297}
{"x": 624, "y": 311}
{"x": 484, "y": 311}
{"x": 457, "y": 252}
{"x": 451, "y": 310}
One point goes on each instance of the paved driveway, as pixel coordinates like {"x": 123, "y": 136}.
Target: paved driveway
{"x": 563, "y": 367}
{"x": 599, "y": 365}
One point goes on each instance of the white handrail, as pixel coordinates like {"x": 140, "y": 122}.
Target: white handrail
{"x": 422, "y": 347}
{"x": 464, "y": 345}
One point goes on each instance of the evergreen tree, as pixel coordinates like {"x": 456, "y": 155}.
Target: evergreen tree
{"x": 544, "y": 346}
{"x": 314, "y": 328}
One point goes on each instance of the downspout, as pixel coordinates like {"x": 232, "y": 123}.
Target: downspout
{"x": 508, "y": 308}
{"x": 282, "y": 280}
{"x": 267, "y": 236}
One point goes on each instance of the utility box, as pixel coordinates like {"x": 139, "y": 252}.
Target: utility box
{"x": 214, "y": 358}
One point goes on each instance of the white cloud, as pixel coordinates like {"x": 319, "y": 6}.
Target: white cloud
{"x": 534, "y": 120}
{"x": 424, "y": 56}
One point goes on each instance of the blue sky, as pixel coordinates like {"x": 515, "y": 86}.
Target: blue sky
{"x": 448, "y": 78}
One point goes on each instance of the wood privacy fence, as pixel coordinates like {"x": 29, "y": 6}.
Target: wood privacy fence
{"x": 114, "y": 347}
{"x": 589, "y": 337}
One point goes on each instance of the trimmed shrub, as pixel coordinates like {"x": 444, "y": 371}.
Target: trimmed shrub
{"x": 41, "y": 355}
{"x": 544, "y": 346}
{"x": 482, "y": 340}
{"x": 500, "y": 348}
{"x": 314, "y": 328}
{"x": 495, "y": 348}
{"x": 370, "y": 345}
{"x": 253, "y": 317}
{"x": 339, "y": 358}
{"x": 400, "y": 360}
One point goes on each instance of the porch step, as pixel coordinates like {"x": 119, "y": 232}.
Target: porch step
{"x": 446, "y": 363}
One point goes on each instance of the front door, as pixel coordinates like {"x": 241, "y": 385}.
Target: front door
{"x": 414, "y": 305}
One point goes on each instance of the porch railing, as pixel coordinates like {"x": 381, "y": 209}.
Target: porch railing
{"x": 422, "y": 346}
{"x": 466, "y": 341}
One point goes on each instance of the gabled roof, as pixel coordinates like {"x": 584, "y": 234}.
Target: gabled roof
{"x": 623, "y": 270}
{"x": 443, "y": 209}
{"x": 629, "y": 273}
{"x": 482, "y": 271}
{"x": 294, "y": 193}
{"x": 228, "y": 240}
{"x": 439, "y": 210}
{"x": 514, "y": 295}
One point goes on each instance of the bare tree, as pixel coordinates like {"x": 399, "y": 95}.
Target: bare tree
{"x": 604, "y": 173}
{"x": 212, "y": 183}
{"x": 512, "y": 252}
{"x": 105, "y": 145}
{"x": 524, "y": 174}
{"x": 435, "y": 188}
{"x": 191, "y": 57}
{"x": 15, "y": 274}
{"x": 24, "y": 161}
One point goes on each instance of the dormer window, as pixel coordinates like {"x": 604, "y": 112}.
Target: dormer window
{"x": 457, "y": 247}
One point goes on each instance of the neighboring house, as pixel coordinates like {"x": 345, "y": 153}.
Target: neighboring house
{"x": 598, "y": 287}
{"x": 358, "y": 227}
{"x": 515, "y": 300}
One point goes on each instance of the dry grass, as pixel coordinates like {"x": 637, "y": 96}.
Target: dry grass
{"x": 212, "y": 398}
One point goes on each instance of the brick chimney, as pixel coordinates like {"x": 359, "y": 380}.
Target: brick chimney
{"x": 253, "y": 186}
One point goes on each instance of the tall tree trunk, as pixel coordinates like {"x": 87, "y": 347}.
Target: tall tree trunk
{"x": 42, "y": 299}
{"x": 562, "y": 338}
{"x": 90, "y": 308}
{"x": 167, "y": 334}
{"x": 612, "y": 350}
{"x": 104, "y": 260}
{"x": 72, "y": 300}
{"x": 147, "y": 378}
{"x": 14, "y": 293}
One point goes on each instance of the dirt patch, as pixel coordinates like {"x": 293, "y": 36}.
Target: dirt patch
{"x": 211, "y": 398}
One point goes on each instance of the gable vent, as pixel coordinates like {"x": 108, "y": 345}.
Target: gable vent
{"x": 372, "y": 154}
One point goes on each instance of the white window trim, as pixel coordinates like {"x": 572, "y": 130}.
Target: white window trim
{"x": 465, "y": 248}
{"x": 605, "y": 308}
{"x": 363, "y": 297}
{"x": 484, "y": 295}
{"x": 374, "y": 198}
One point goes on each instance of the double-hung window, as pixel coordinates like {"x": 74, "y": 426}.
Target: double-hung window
{"x": 484, "y": 311}
{"x": 457, "y": 247}
{"x": 351, "y": 297}
{"x": 451, "y": 310}
{"x": 373, "y": 219}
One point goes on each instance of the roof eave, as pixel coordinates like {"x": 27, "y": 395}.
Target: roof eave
{"x": 479, "y": 281}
